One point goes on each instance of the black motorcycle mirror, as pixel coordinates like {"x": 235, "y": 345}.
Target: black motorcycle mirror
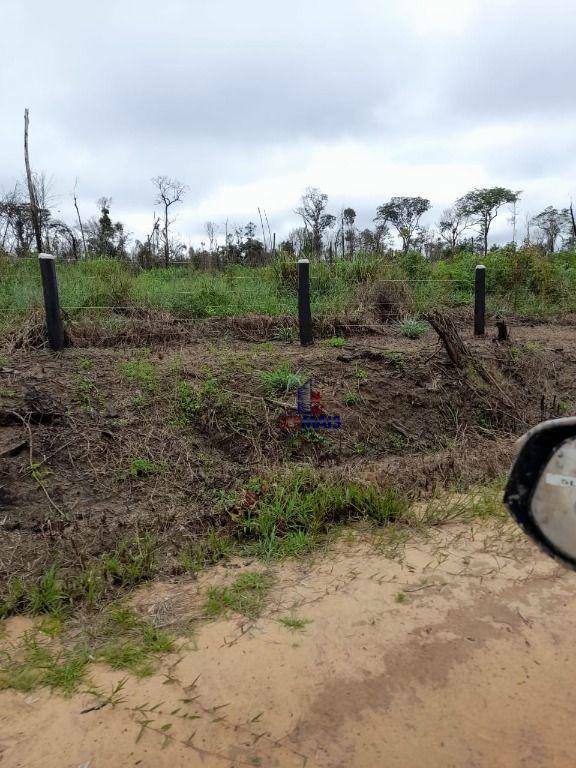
{"x": 541, "y": 489}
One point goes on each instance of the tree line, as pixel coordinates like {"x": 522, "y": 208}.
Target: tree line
{"x": 466, "y": 225}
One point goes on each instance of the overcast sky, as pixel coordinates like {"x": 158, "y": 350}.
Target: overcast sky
{"x": 250, "y": 102}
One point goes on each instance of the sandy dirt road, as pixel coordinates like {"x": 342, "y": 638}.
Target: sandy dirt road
{"x": 459, "y": 654}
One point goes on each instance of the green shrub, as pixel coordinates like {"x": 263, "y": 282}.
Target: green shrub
{"x": 413, "y": 328}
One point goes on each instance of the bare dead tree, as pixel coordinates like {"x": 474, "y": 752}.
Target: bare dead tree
{"x": 153, "y": 236}
{"x": 170, "y": 191}
{"x": 79, "y": 219}
{"x": 316, "y": 220}
{"x": 31, "y": 190}
{"x": 453, "y": 223}
{"x": 572, "y": 220}
{"x": 211, "y": 230}
{"x": 269, "y": 230}
{"x": 8, "y": 206}
{"x": 263, "y": 233}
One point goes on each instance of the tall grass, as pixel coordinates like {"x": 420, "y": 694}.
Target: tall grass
{"x": 524, "y": 281}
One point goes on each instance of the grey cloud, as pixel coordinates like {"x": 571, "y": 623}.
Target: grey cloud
{"x": 206, "y": 90}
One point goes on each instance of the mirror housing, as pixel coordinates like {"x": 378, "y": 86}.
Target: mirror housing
{"x": 541, "y": 489}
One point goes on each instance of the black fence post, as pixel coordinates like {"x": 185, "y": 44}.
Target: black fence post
{"x": 54, "y": 326}
{"x": 304, "y": 312}
{"x": 480, "y": 300}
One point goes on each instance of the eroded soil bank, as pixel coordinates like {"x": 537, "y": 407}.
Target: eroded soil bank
{"x": 457, "y": 652}
{"x": 102, "y": 446}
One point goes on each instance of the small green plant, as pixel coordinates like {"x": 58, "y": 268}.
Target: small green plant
{"x": 191, "y": 400}
{"x": 397, "y": 441}
{"x": 13, "y": 598}
{"x": 293, "y": 623}
{"x": 391, "y": 541}
{"x": 360, "y": 373}
{"x": 87, "y": 393}
{"x": 280, "y": 380}
{"x": 111, "y": 699}
{"x": 132, "y": 642}
{"x": 336, "y": 341}
{"x": 211, "y": 548}
{"x": 139, "y": 401}
{"x": 515, "y": 354}
{"x": 132, "y": 563}
{"x": 140, "y": 371}
{"x": 47, "y": 595}
{"x": 413, "y": 328}
{"x": 400, "y": 597}
{"x": 86, "y": 363}
{"x": 176, "y": 364}
{"x": 34, "y": 664}
{"x": 284, "y": 334}
{"x": 142, "y": 467}
{"x": 482, "y": 503}
{"x": 396, "y": 359}
{"x": 533, "y": 347}
{"x": 38, "y": 472}
{"x": 351, "y": 398}
{"x": 246, "y": 596}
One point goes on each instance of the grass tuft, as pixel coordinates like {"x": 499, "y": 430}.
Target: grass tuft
{"x": 293, "y": 514}
{"x": 281, "y": 380}
{"x": 293, "y": 623}
{"x": 35, "y": 664}
{"x": 140, "y": 371}
{"x": 246, "y": 596}
{"x": 131, "y": 642}
{"x": 413, "y": 328}
{"x": 142, "y": 467}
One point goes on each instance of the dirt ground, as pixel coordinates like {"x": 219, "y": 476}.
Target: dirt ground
{"x": 71, "y": 426}
{"x": 458, "y": 652}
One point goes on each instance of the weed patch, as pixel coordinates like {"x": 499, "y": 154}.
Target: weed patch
{"x": 206, "y": 551}
{"x": 413, "y": 328}
{"x": 246, "y": 596}
{"x": 351, "y": 398}
{"x": 292, "y": 514}
{"x": 281, "y": 380}
{"x": 336, "y": 341}
{"x": 140, "y": 371}
{"x": 142, "y": 467}
{"x": 191, "y": 400}
{"x": 130, "y": 642}
{"x": 34, "y": 663}
{"x": 293, "y": 623}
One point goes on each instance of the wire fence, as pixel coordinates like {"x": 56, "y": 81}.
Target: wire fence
{"x": 196, "y": 294}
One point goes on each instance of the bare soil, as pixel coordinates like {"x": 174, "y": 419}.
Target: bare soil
{"x": 71, "y": 424}
{"x": 471, "y": 666}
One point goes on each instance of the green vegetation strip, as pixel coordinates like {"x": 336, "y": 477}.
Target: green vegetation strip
{"x": 524, "y": 281}
{"x": 289, "y": 516}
